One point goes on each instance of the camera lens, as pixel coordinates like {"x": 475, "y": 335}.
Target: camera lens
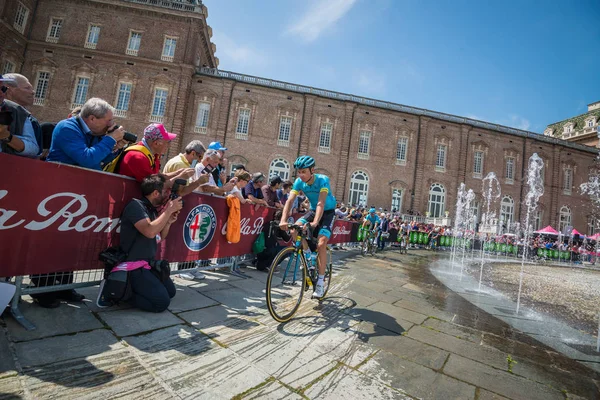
{"x": 130, "y": 137}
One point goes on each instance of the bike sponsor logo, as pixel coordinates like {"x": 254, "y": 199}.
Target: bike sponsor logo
{"x": 199, "y": 227}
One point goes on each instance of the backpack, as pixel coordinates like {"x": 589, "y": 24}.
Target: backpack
{"x": 116, "y": 288}
{"x": 259, "y": 244}
{"x": 115, "y": 164}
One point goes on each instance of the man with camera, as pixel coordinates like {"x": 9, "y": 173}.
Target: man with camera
{"x": 20, "y": 133}
{"x": 210, "y": 161}
{"x": 144, "y": 159}
{"x": 90, "y": 140}
{"x": 142, "y": 227}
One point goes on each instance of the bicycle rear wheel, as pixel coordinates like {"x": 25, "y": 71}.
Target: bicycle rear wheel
{"x": 285, "y": 284}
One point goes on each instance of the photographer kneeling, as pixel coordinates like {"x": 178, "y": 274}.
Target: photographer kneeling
{"x": 141, "y": 229}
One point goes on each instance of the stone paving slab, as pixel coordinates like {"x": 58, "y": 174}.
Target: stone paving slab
{"x": 10, "y": 388}
{"x": 133, "y": 321}
{"x": 382, "y": 319}
{"x": 415, "y": 379}
{"x": 400, "y": 314}
{"x": 485, "y": 395}
{"x": 189, "y": 299}
{"x": 272, "y": 391}
{"x": 484, "y": 354}
{"x": 50, "y": 350}
{"x": 7, "y": 364}
{"x": 68, "y": 318}
{"x": 423, "y": 307}
{"x": 458, "y": 331}
{"x": 494, "y": 380}
{"x": 241, "y": 300}
{"x": 345, "y": 383}
{"x": 111, "y": 374}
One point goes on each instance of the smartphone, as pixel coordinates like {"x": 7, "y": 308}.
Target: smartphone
{"x": 5, "y": 118}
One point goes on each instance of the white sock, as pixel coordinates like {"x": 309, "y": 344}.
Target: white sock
{"x": 321, "y": 279}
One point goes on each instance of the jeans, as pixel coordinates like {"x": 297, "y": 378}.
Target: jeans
{"x": 148, "y": 292}
{"x": 380, "y": 241}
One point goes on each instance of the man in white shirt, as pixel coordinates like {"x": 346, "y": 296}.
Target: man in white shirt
{"x": 209, "y": 162}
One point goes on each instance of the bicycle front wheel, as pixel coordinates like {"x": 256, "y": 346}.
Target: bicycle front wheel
{"x": 285, "y": 284}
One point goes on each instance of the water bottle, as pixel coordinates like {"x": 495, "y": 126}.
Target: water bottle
{"x": 311, "y": 258}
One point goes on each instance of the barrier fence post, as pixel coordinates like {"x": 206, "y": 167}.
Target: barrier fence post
{"x": 14, "y": 307}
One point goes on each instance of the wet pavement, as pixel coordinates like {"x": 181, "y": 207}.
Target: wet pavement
{"x": 390, "y": 329}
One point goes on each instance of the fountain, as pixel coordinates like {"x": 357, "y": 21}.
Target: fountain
{"x": 458, "y": 220}
{"x": 491, "y": 193}
{"x": 536, "y": 190}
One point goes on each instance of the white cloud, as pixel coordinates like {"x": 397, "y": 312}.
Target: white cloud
{"x": 519, "y": 122}
{"x": 236, "y": 56}
{"x": 370, "y": 82}
{"x": 319, "y": 17}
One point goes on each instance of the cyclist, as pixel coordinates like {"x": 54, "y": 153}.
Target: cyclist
{"x": 321, "y": 214}
{"x": 372, "y": 220}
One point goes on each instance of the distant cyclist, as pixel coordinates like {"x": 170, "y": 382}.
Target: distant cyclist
{"x": 321, "y": 214}
{"x": 372, "y": 220}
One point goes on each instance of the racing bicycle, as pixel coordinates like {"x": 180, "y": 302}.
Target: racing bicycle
{"x": 368, "y": 245}
{"x": 290, "y": 275}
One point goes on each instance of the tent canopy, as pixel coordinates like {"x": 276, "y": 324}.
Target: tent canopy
{"x": 548, "y": 231}
{"x": 575, "y": 232}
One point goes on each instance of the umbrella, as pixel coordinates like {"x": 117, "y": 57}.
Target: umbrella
{"x": 548, "y": 231}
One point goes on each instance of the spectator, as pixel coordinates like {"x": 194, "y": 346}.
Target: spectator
{"x": 209, "y": 163}
{"x": 270, "y": 192}
{"x": 23, "y": 136}
{"x": 341, "y": 212}
{"x": 47, "y": 130}
{"x": 192, "y": 155}
{"x": 141, "y": 224}
{"x": 253, "y": 190}
{"x": 242, "y": 179}
{"x": 284, "y": 193}
{"x": 220, "y": 172}
{"x": 90, "y": 140}
{"x": 138, "y": 165}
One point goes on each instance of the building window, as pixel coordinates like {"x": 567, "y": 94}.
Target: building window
{"x": 567, "y": 181}
{"x": 396, "y": 200}
{"x": 359, "y": 189}
{"x": 564, "y": 219}
{"x": 590, "y": 123}
{"x": 123, "y": 98}
{"x": 473, "y": 214}
{"x": 401, "y": 148}
{"x": 592, "y": 226}
{"x": 8, "y": 67}
{"x": 41, "y": 88}
{"x": 93, "y": 36}
{"x": 158, "y": 105}
{"x": 133, "y": 45}
{"x": 81, "y": 92}
{"x": 54, "y": 30}
{"x": 202, "y": 118}
{"x": 478, "y": 163}
{"x": 537, "y": 220}
{"x": 325, "y": 138}
{"x": 285, "y": 128}
{"x": 507, "y": 209}
{"x": 168, "y": 53}
{"x": 440, "y": 159}
{"x": 543, "y": 172}
{"x": 364, "y": 142}
{"x": 569, "y": 128}
{"x": 437, "y": 200}
{"x": 510, "y": 170}
{"x": 243, "y": 122}
{"x": 21, "y": 18}
{"x": 280, "y": 167}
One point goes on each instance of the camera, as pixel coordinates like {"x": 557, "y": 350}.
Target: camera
{"x": 208, "y": 170}
{"x": 5, "y": 118}
{"x": 177, "y": 185}
{"x": 130, "y": 137}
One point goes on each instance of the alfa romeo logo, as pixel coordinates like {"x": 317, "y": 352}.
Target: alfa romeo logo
{"x": 199, "y": 228}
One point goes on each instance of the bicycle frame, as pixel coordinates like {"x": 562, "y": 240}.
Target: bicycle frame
{"x": 299, "y": 251}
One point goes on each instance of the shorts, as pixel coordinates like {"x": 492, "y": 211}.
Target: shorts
{"x": 325, "y": 225}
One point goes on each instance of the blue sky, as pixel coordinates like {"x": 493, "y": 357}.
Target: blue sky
{"x": 523, "y": 64}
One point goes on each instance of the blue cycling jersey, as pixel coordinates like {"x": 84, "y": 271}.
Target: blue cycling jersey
{"x": 373, "y": 219}
{"x": 312, "y": 192}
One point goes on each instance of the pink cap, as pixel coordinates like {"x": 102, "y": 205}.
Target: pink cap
{"x": 158, "y": 131}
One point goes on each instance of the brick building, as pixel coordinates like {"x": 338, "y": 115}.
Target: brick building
{"x": 582, "y": 129}
{"x": 154, "y": 61}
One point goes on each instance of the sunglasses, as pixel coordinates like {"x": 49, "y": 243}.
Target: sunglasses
{"x": 4, "y": 89}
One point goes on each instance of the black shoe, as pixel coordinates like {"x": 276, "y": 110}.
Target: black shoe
{"x": 46, "y": 300}
{"x": 70, "y": 295}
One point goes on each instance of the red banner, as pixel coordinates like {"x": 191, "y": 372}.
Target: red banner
{"x": 58, "y": 218}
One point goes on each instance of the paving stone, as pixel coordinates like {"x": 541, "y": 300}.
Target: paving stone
{"x": 222, "y": 323}
{"x": 485, "y": 395}
{"x": 91, "y": 294}
{"x": 415, "y": 379}
{"x": 458, "y": 331}
{"x": 497, "y": 381}
{"x": 399, "y": 313}
{"x": 10, "y": 388}
{"x": 484, "y": 354}
{"x": 189, "y": 299}
{"x": 50, "y": 350}
{"x": 204, "y": 286}
{"x": 272, "y": 391}
{"x": 253, "y": 286}
{"x": 134, "y": 321}
{"x": 238, "y": 299}
{"x": 7, "y": 363}
{"x": 113, "y": 374}
{"x": 382, "y": 319}
{"x": 423, "y": 307}
{"x": 345, "y": 383}
{"x": 68, "y": 318}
